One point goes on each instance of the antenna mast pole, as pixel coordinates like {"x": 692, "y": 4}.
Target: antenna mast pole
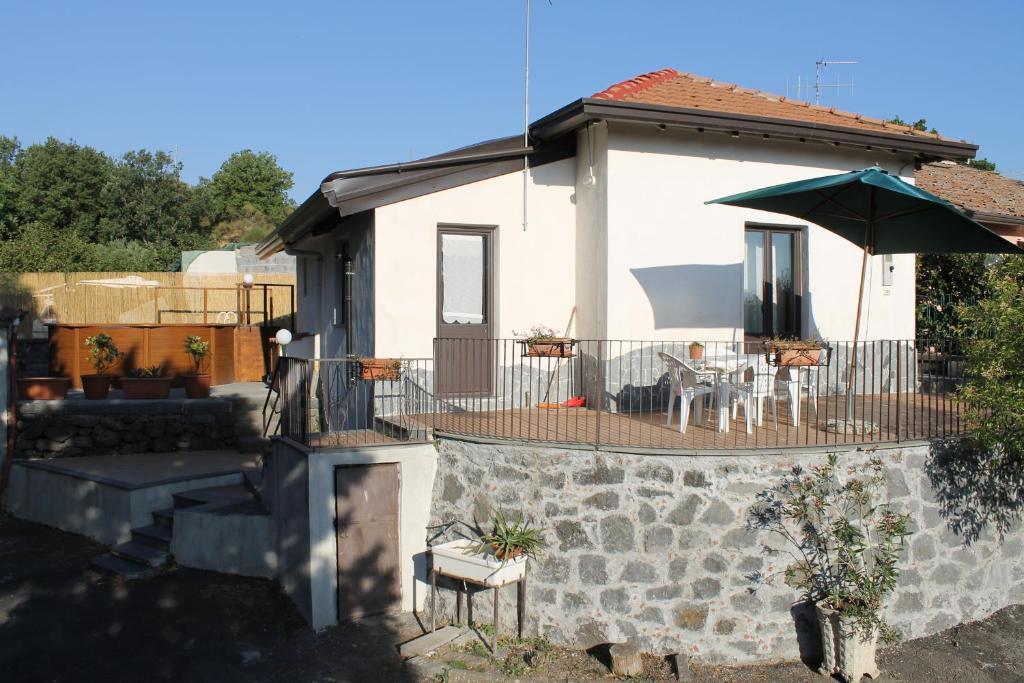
{"x": 526, "y": 115}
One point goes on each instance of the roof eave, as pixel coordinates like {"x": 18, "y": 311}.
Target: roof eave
{"x": 312, "y": 211}
{"x": 578, "y": 113}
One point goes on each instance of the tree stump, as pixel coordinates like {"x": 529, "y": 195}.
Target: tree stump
{"x": 626, "y": 660}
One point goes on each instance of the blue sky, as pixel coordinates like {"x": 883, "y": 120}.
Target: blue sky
{"x": 337, "y": 84}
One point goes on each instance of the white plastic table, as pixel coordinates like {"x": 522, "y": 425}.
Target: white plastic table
{"x": 719, "y": 365}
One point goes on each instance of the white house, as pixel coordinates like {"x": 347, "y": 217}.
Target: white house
{"x": 610, "y": 220}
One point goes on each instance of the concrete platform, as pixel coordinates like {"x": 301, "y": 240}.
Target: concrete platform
{"x": 104, "y": 497}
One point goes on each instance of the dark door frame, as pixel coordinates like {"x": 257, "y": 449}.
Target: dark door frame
{"x": 396, "y": 603}
{"x": 486, "y": 386}
{"x": 767, "y": 295}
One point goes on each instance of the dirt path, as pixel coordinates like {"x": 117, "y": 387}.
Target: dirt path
{"x": 58, "y": 623}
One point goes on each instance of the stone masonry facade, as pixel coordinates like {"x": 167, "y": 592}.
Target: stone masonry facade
{"x": 63, "y": 429}
{"x": 654, "y": 549}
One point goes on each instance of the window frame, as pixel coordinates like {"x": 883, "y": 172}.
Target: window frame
{"x": 767, "y": 291}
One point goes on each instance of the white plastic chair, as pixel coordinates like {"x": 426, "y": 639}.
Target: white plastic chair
{"x": 685, "y": 383}
{"x": 754, "y": 393}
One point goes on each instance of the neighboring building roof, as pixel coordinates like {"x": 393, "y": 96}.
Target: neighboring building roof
{"x": 986, "y": 195}
{"x": 672, "y": 88}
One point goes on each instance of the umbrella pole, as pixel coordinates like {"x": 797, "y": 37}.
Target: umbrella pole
{"x": 856, "y": 335}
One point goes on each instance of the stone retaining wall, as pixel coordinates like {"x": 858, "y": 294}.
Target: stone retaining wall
{"x": 62, "y": 429}
{"x": 654, "y": 549}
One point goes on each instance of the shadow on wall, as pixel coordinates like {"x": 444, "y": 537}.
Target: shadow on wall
{"x": 693, "y": 295}
{"x": 973, "y": 495}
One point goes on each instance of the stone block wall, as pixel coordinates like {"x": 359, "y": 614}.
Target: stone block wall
{"x": 654, "y": 549}
{"x": 63, "y": 429}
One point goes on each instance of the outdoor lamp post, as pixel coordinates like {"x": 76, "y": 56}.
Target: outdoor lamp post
{"x": 247, "y": 283}
{"x": 283, "y": 339}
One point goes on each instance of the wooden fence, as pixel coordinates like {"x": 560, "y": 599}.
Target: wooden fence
{"x": 178, "y": 298}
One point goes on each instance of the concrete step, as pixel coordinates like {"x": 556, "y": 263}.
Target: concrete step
{"x": 155, "y": 536}
{"x": 139, "y": 553}
{"x": 253, "y": 444}
{"x": 235, "y": 492}
{"x": 115, "y": 565}
{"x": 253, "y": 479}
{"x": 164, "y": 518}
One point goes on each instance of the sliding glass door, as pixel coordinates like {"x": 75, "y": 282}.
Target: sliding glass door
{"x": 772, "y": 287}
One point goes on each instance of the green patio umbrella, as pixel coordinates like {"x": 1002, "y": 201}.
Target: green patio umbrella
{"x": 878, "y": 212}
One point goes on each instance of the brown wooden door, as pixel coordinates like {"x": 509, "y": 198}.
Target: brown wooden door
{"x": 366, "y": 518}
{"x": 465, "y": 286}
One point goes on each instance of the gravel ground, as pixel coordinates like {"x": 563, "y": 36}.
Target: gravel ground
{"x": 61, "y": 622}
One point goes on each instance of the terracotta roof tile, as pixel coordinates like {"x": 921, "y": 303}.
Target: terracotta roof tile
{"x": 672, "y": 88}
{"x": 972, "y": 188}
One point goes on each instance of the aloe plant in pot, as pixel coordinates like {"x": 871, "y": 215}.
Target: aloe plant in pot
{"x": 845, "y": 547}
{"x": 512, "y": 539}
{"x": 103, "y": 353}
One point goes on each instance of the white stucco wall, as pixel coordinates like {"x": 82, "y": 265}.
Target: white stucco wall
{"x": 534, "y": 278}
{"x": 675, "y": 264}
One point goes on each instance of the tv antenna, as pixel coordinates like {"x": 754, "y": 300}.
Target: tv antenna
{"x": 819, "y": 70}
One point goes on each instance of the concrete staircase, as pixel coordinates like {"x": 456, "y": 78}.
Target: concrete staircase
{"x": 149, "y": 547}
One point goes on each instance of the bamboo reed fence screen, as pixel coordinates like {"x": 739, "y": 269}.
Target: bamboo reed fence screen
{"x": 179, "y": 298}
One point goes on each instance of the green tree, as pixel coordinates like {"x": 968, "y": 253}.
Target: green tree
{"x": 943, "y": 282}
{"x": 61, "y": 184}
{"x": 248, "y": 178}
{"x": 9, "y": 150}
{"x": 983, "y": 164}
{"x": 981, "y": 480}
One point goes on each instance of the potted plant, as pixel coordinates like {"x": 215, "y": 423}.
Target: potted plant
{"x": 544, "y": 342}
{"x": 142, "y": 383}
{"x": 497, "y": 558}
{"x": 696, "y": 351}
{"x": 380, "y": 369}
{"x": 510, "y": 540}
{"x": 197, "y": 384}
{"x": 845, "y": 546}
{"x": 43, "y": 388}
{"x": 796, "y": 352}
{"x": 103, "y": 354}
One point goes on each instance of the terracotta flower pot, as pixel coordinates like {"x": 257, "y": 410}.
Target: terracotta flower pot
{"x": 516, "y": 552}
{"x": 96, "y": 386}
{"x": 146, "y": 387}
{"x": 43, "y": 388}
{"x": 696, "y": 352}
{"x": 197, "y": 386}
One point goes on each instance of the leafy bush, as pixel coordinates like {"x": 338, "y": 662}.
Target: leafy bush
{"x": 993, "y": 395}
{"x": 198, "y": 348}
{"x": 844, "y": 544}
{"x": 102, "y": 352}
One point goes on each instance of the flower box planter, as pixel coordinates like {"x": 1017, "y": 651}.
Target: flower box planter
{"x": 197, "y": 386}
{"x": 798, "y": 356}
{"x": 146, "y": 387}
{"x": 464, "y": 559}
{"x": 380, "y": 369}
{"x": 554, "y": 347}
{"x": 43, "y": 388}
{"x": 843, "y": 649}
{"x": 96, "y": 387}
